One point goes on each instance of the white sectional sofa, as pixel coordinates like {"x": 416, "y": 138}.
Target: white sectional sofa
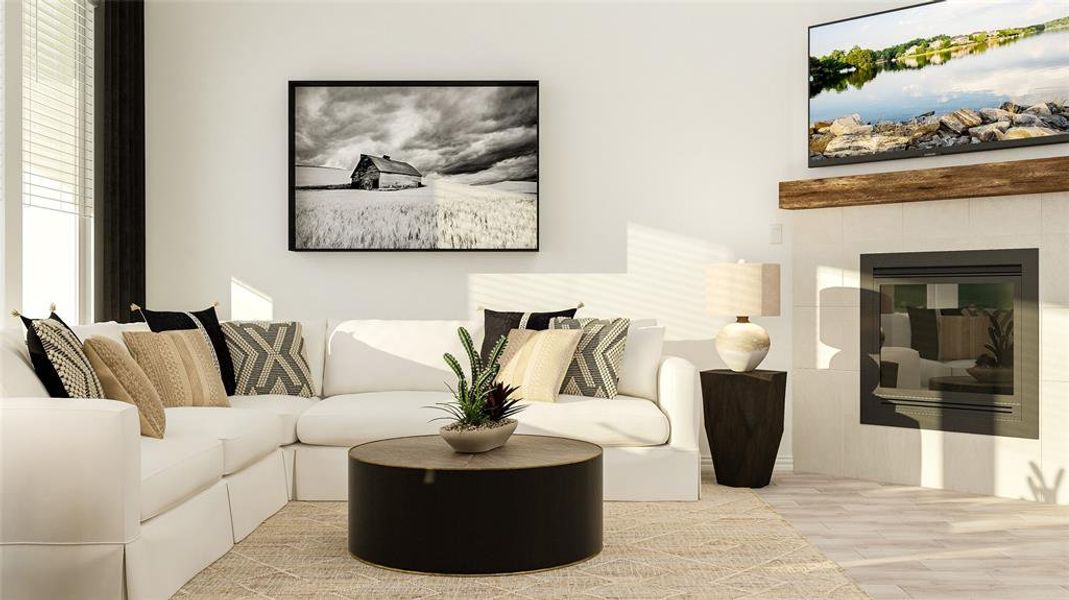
{"x": 91, "y": 509}
{"x": 914, "y": 372}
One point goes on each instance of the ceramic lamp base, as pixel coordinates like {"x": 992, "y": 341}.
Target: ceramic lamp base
{"x": 742, "y": 345}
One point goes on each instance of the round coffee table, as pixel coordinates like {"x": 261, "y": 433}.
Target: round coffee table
{"x": 964, "y": 383}
{"x": 533, "y": 504}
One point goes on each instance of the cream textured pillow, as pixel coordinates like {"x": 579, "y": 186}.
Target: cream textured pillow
{"x": 516, "y": 338}
{"x": 181, "y": 365}
{"x": 125, "y": 381}
{"x": 538, "y": 361}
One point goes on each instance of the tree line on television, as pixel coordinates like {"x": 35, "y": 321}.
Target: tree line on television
{"x": 839, "y": 69}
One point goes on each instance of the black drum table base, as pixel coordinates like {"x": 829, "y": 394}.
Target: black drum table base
{"x": 493, "y": 513}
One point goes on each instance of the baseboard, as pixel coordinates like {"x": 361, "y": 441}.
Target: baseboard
{"x": 784, "y": 464}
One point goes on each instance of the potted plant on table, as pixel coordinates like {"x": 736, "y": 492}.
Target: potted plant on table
{"x": 482, "y": 406}
{"x": 996, "y": 365}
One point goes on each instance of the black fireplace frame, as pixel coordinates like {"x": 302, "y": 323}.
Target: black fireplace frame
{"x": 1001, "y": 415}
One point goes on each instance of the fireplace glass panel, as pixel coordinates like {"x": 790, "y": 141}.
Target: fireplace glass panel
{"x": 946, "y": 337}
{"x": 950, "y": 341}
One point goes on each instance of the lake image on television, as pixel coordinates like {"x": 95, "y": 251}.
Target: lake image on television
{"x": 948, "y": 77}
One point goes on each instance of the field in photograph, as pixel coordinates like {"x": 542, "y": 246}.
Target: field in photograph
{"x": 440, "y": 215}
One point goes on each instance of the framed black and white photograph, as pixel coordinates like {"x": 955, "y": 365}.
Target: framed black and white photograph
{"x": 413, "y": 165}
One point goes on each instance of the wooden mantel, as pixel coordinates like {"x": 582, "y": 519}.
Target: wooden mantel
{"x": 1012, "y": 178}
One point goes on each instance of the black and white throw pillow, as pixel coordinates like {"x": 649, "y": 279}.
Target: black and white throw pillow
{"x": 58, "y": 359}
{"x": 268, "y": 358}
{"x": 498, "y": 324}
{"x": 205, "y": 320}
{"x": 595, "y": 367}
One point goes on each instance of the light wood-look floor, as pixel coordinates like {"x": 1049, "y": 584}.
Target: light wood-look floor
{"x": 909, "y": 542}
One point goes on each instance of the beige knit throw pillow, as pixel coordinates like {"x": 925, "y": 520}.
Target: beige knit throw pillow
{"x": 181, "y": 365}
{"x": 125, "y": 381}
{"x": 537, "y": 361}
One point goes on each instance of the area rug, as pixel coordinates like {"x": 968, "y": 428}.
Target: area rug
{"x": 728, "y": 545}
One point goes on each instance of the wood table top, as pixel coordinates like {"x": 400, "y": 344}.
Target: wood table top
{"x": 965, "y": 383}
{"x": 431, "y": 452}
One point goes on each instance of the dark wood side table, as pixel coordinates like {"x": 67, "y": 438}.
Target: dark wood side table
{"x": 744, "y": 422}
{"x": 412, "y": 502}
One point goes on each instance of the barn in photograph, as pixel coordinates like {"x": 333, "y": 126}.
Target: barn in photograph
{"x": 384, "y": 173}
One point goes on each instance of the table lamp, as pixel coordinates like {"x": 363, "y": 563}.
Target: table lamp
{"x": 743, "y": 290}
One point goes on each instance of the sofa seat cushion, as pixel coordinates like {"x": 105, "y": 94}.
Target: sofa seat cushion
{"x": 247, "y": 435}
{"x": 619, "y": 421}
{"x": 353, "y": 419}
{"x": 287, "y": 407}
{"x": 174, "y": 469}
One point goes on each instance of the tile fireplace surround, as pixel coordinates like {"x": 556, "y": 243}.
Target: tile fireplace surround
{"x": 828, "y": 436}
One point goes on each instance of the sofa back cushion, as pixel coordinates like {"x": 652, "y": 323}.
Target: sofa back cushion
{"x": 108, "y": 329}
{"x": 17, "y": 378}
{"x": 641, "y": 360}
{"x": 895, "y": 330}
{"x": 372, "y": 356}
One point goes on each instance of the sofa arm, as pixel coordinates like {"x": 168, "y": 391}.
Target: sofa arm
{"x": 677, "y": 394}
{"x": 70, "y": 471}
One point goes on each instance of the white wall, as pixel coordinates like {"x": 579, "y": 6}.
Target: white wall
{"x": 10, "y": 170}
{"x": 664, "y": 131}
{"x": 826, "y": 244}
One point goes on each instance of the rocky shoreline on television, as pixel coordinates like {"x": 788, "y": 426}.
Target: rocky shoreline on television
{"x": 939, "y": 78}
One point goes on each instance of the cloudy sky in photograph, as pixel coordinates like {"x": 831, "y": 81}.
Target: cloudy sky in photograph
{"x": 475, "y": 135}
{"x": 952, "y": 17}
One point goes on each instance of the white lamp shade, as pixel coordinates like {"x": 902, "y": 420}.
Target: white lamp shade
{"x": 743, "y": 289}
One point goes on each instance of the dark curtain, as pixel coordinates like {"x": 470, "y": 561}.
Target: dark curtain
{"x": 119, "y": 32}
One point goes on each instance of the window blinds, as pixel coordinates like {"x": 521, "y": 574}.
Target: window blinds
{"x": 57, "y": 105}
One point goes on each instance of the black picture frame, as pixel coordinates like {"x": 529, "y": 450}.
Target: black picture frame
{"x": 989, "y": 146}
{"x": 291, "y": 156}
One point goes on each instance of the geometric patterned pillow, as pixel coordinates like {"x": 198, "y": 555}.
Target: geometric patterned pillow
{"x": 124, "y": 380}
{"x": 69, "y": 362}
{"x": 595, "y": 368}
{"x": 204, "y": 320}
{"x": 180, "y": 364}
{"x": 268, "y": 358}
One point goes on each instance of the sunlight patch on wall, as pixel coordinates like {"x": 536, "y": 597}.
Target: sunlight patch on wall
{"x": 665, "y": 280}
{"x": 828, "y": 280}
{"x": 851, "y": 278}
{"x": 248, "y": 303}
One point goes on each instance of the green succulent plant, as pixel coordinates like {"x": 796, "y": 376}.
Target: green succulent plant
{"x": 1000, "y": 346}
{"x": 478, "y": 399}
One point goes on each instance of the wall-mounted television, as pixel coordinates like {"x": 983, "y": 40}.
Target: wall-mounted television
{"x": 939, "y": 78}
